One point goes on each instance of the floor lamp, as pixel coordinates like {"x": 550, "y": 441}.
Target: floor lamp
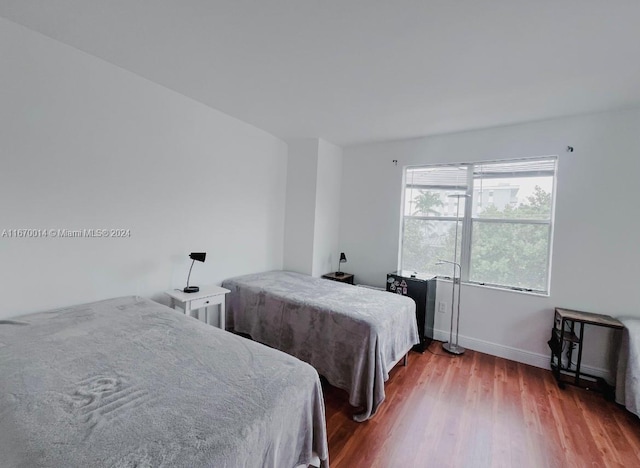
{"x": 452, "y": 347}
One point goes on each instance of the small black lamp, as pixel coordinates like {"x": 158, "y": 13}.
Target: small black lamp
{"x": 343, "y": 259}
{"x": 199, "y": 256}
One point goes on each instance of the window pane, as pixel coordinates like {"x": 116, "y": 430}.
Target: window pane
{"x": 509, "y": 254}
{"x": 513, "y": 197}
{"x": 432, "y": 202}
{"x": 511, "y": 208}
{"x": 427, "y": 241}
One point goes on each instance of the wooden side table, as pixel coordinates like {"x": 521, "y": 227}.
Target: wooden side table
{"x": 568, "y": 330}
{"x": 201, "y": 300}
{"x": 345, "y": 278}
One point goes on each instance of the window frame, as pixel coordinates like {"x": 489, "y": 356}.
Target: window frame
{"x": 468, "y": 221}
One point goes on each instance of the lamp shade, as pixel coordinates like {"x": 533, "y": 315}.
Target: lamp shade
{"x": 343, "y": 257}
{"x": 198, "y": 256}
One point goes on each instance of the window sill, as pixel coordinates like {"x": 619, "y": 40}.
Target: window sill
{"x": 447, "y": 279}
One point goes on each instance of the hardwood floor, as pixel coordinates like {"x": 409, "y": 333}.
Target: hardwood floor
{"x": 477, "y": 410}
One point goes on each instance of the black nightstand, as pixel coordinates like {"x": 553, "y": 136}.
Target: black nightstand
{"x": 422, "y": 289}
{"x": 344, "y": 278}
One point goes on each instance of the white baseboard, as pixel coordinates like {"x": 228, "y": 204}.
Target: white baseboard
{"x": 515, "y": 354}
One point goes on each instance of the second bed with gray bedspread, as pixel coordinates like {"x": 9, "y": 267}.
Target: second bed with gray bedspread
{"x": 351, "y": 335}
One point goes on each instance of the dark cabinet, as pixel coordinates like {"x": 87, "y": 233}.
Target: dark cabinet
{"x": 422, "y": 289}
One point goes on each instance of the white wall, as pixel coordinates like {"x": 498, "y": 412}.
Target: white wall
{"x": 302, "y": 174}
{"x": 327, "y": 224}
{"x": 85, "y": 144}
{"x": 596, "y": 257}
{"x": 314, "y": 177}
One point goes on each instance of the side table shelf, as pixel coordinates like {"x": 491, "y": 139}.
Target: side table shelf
{"x": 343, "y": 278}
{"x": 567, "y": 336}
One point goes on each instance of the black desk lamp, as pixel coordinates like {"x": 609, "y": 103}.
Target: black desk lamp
{"x": 199, "y": 256}
{"x": 343, "y": 259}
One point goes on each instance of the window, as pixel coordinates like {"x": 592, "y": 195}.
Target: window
{"x": 504, "y": 224}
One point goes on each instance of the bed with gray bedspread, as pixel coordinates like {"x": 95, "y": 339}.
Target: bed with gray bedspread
{"x": 628, "y": 372}
{"x": 129, "y": 382}
{"x": 351, "y": 335}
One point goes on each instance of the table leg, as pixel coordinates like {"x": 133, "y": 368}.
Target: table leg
{"x": 570, "y": 345}
{"x": 222, "y": 313}
{"x": 577, "y": 381}
{"x": 558, "y": 370}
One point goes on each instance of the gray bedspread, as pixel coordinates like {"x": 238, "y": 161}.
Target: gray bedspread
{"x": 628, "y": 375}
{"x": 351, "y": 335}
{"x": 128, "y": 382}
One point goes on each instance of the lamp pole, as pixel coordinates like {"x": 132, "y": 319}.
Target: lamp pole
{"x": 452, "y": 347}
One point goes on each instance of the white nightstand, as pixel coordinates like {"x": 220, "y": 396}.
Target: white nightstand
{"x": 207, "y": 296}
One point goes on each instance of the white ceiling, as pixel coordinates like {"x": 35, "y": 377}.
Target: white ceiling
{"x": 354, "y": 71}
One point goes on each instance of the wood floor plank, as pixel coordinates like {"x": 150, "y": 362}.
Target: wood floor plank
{"x": 477, "y": 410}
